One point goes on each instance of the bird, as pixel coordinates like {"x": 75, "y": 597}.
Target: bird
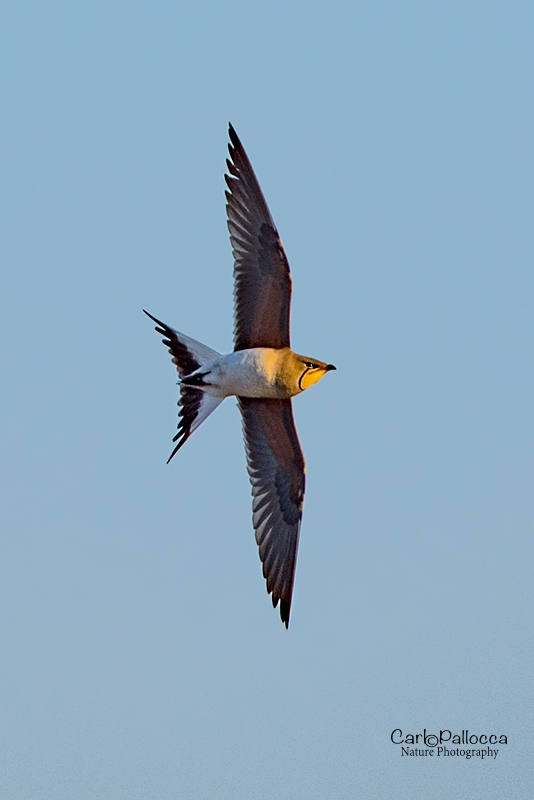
{"x": 263, "y": 373}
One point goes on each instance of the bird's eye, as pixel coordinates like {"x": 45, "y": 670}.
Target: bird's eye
{"x": 309, "y": 364}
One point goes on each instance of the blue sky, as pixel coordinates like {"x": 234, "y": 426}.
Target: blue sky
{"x": 141, "y": 656}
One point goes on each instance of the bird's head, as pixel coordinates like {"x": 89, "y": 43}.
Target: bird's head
{"x": 311, "y": 371}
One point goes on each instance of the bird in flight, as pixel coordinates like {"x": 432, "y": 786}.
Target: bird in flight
{"x": 262, "y": 372}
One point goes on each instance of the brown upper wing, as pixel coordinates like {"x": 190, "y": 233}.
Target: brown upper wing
{"x": 277, "y": 473}
{"x": 262, "y": 293}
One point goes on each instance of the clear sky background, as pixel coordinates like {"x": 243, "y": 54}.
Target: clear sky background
{"x": 140, "y": 654}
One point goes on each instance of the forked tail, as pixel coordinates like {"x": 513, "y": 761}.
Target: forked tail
{"x": 188, "y": 355}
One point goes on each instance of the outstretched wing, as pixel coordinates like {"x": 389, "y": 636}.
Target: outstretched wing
{"x": 262, "y": 293}
{"x": 188, "y": 355}
{"x": 277, "y": 473}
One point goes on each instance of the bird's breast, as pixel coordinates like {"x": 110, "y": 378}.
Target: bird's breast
{"x": 257, "y": 372}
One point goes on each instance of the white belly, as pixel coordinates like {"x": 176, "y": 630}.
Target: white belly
{"x": 247, "y": 373}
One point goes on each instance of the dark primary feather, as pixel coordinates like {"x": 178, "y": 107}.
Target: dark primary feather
{"x": 262, "y": 293}
{"x": 277, "y": 474}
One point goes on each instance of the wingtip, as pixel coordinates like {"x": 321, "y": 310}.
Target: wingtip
{"x": 285, "y": 607}
{"x": 285, "y": 610}
{"x": 235, "y": 142}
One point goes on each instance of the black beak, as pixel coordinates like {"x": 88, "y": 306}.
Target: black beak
{"x": 329, "y": 367}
